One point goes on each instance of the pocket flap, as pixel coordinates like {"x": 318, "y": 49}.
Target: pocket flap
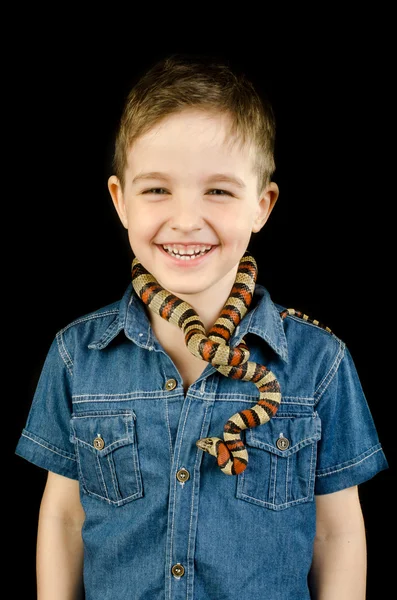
{"x": 103, "y": 431}
{"x": 285, "y": 435}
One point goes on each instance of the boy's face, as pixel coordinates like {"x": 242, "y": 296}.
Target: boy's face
{"x": 189, "y": 192}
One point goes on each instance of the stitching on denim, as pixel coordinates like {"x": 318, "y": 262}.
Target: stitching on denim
{"x": 273, "y": 483}
{"x": 280, "y": 350}
{"x": 278, "y": 323}
{"x": 196, "y": 471}
{"x": 273, "y": 471}
{"x": 354, "y": 464}
{"x": 204, "y": 396}
{"x": 235, "y": 397}
{"x": 108, "y": 447}
{"x": 309, "y": 398}
{"x": 149, "y": 339}
{"x": 183, "y": 430}
{"x": 205, "y": 389}
{"x": 109, "y": 458}
{"x": 275, "y": 506}
{"x": 286, "y": 478}
{"x": 112, "y": 469}
{"x": 117, "y": 442}
{"x": 118, "y": 503}
{"x": 128, "y": 395}
{"x": 249, "y": 327}
{"x": 89, "y": 318}
{"x": 109, "y": 334}
{"x": 61, "y": 453}
{"x": 167, "y": 419}
{"x": 291, "y": 414}
{"x": 331, "y": 373}
{"x": 127, "y": 399}
{"x": 102, "y": 414}
{"x": 64, "y": 354}
{"x": 135, "y": 458}
{"x": 312, "y": 468}
{"x": 174, "y": 502}
{"x": 172, "y": 532}
{"x": 300, "y": 444}
{"x": 155, "y": 395}
{"x": 102, "y": 477}
{"x": 81, "y": 474}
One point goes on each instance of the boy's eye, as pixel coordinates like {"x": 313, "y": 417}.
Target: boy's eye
{"x": 155, "y": 191}
{"x": 213, "y": 192}
{"x": 217, "y": 192}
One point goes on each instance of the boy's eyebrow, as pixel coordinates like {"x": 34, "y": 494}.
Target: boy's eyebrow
{"x": 151, "y": 175}
{"x": 217, "y": 177}
{"x": 225, "y": 178}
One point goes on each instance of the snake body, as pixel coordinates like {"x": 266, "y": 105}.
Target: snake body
{"x": 231, "y": 361}
{"x": 301, "y": 315}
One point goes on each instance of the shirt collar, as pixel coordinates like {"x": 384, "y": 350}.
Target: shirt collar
{"x": 263, "y": 320}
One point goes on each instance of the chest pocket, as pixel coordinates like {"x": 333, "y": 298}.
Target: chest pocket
{"x": 281, "y": 462}
{"x": 107, "y": 455}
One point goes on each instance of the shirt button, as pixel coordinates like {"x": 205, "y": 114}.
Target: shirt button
{"x": 178, "y": 570}
{"x": 282, "y": 443}
{"x": 182, "y": 475}
{"x": 170, "y": 384}
{"x": 99, "y": 442}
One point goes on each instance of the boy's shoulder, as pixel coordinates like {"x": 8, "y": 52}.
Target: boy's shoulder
{"x": 313, "y": 348}
{"x": 301, "y": 317}
{"x": 93, "y": 325}
{"x": 305, "y": 329}
{"x": 295, "y": 335}
{"x": 99, "y": 315}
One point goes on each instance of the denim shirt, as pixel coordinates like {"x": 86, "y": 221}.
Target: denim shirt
{"x": 162, "y": 521}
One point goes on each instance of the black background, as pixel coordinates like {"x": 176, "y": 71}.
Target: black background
{"x": 327, "y": 249}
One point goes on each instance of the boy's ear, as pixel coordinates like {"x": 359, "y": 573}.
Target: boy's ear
{"x": 266, "y": 202}
{"x": 116, "y": 192}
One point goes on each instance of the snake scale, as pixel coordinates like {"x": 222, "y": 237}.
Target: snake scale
{"x": 231, "y": 361}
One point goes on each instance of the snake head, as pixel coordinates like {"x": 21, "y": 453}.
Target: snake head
{"x": 208, "y": 445}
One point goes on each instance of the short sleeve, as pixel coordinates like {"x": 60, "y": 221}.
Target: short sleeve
{"x": 45, "y": 439}
{"x": 349, "y": 451}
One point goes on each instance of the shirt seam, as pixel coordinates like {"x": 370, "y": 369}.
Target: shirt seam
{"x": 327, "y": 379}
{"x": 64, "y": 354}
{"x": 90, "y": 317}
{"x": 42, "y": 443}
{"x": 349, "y": 464}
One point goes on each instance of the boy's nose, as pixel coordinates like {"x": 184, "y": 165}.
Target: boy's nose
{"x": 186, "y": 215}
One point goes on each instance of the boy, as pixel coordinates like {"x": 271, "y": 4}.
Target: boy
{"x": 169, "y": 475}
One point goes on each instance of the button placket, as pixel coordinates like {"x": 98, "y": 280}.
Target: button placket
{"x": 194, "y": 422}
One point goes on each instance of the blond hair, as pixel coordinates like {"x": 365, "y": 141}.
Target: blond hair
{"x": 180, "y": 82}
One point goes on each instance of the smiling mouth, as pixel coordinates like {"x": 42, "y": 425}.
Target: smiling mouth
{"x": 186, "y": 252}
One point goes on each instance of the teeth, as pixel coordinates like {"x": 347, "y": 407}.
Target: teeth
{"x": 187, "y": 252}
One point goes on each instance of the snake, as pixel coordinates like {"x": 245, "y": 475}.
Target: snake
{"x": 298, "y": 313}
{"x": 231, "y": 361}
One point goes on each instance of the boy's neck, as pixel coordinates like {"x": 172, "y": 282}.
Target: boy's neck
{"x": 206, "y": 306}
